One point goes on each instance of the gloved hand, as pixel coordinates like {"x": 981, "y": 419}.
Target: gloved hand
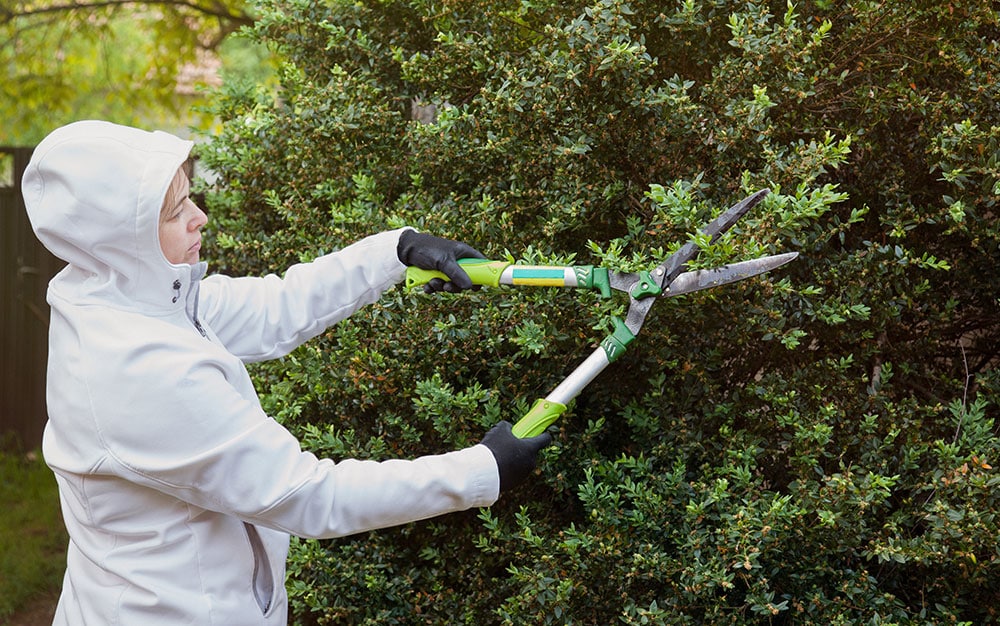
{"x": 515, "y": 457}
{"x": 434, "y": 253}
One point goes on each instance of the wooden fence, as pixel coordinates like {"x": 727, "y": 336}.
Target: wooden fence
{"x": 25, "y": 270}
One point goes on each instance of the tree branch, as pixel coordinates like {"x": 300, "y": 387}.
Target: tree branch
{"x": 216, "y": 9}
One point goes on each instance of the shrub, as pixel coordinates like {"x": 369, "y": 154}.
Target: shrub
{"x": 815, "y": 446}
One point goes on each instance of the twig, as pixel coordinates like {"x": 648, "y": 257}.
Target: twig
{"x": 965, "y": 392}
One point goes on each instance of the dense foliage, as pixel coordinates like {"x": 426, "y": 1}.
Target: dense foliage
{"x": 816, "y": 446}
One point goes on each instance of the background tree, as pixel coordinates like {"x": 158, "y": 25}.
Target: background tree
{"x": 133, "y": 62}
{"x": 814, "y": 447}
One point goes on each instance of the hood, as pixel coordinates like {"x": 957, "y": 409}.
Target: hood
{"x": 93, "y": 192}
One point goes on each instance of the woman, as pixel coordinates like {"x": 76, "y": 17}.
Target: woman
{"x": 178, "y": 492}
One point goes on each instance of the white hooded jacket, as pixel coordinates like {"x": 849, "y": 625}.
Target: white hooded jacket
{"x": 178, "y": 492}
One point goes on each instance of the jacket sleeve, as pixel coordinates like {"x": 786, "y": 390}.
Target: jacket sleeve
{"x": 194, "y": 437}
{"x": 267, "y": 317}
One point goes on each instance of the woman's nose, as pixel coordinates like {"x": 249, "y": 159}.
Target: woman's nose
{"x": 199, "y": 219}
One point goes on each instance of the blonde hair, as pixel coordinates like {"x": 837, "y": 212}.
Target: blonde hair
{"x": 176, "y": 183}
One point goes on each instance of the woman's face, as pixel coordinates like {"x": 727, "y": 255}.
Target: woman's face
{"x": 180, "y": 223}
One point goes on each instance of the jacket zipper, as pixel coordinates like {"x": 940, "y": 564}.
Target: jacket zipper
{"x": 194, "y": 314}
{"x": 262, "y": 581}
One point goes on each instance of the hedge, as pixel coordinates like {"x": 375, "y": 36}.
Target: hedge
{"x": 816, "y": 446}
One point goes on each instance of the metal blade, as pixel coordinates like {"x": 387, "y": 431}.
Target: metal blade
{"x": 672, "y": 266}
{"x": 705, "y": 279}
{"x": 725, "y": 221}
{"x": 622, "y": 281}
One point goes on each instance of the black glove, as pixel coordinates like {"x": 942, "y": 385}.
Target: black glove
{"x": 515, "y": 457}
{"x": 434, "y": 253}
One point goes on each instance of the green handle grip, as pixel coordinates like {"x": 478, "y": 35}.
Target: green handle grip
{"x": 481, "y": 271}
{"x": 489, "y": 273}
{"x": 538, "y": 418}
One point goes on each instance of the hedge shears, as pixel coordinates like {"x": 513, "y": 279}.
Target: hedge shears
{"x": 643, "y": 288}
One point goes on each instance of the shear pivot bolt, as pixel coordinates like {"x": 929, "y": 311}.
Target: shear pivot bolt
{"x": 645, "y": 287}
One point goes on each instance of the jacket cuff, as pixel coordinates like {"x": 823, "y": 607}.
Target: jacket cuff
{"x": 487, "y": 474}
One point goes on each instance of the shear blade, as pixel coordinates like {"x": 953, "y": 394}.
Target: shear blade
{"x": 706, "y": 279}
{"x": 726, "y": 220}
{"x": 671, "y": 267}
